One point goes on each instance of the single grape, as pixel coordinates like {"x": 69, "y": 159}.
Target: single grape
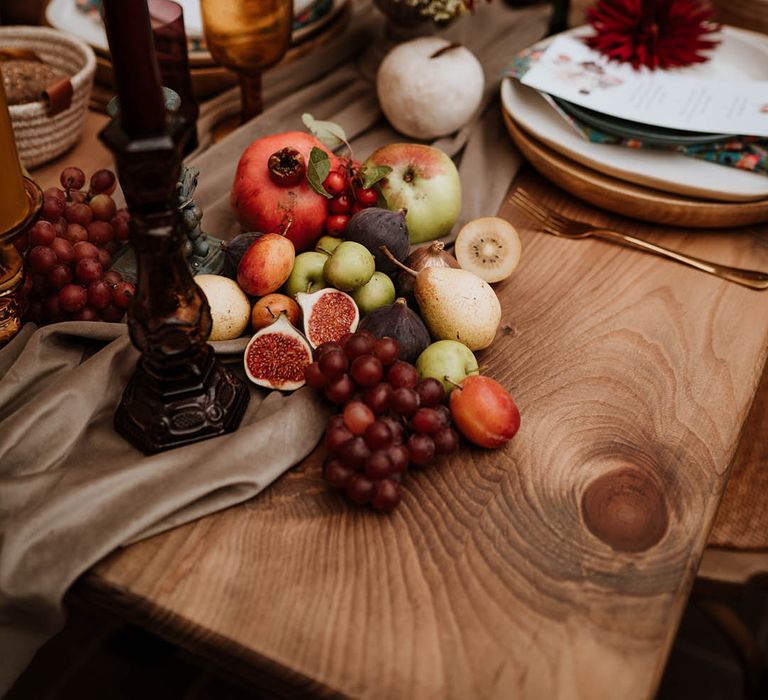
{"x": 402, "y": 374}
{"x": 122, "y": 294}
{"x": 105, "y": 258}
{"x": 61, "y": 226}
{"x": 446, "y": 441}
{"x": 53, "y": 208}
{"x": 84, "y": 250}
{"x": 335, "y": 183}
{"x": 336, "y": 474}
{"x": 340, "y": 390}
{"x": 358, "y": 344}
{"x": 386, "y": 496}
{"x": 387, "y": 350}
{"x": 335, "y": 224}
{"x": 421, "y": 449}
{"x": 112, "y": 314}
{"x": 53, "y": 310}
{"x": 357, "y": 417}
{"x": 121, "y": 228}
{"x": 56, "y": 193}
{"x": 41, "y": 258}
{"x": 323, "y": 348}
{"x": 72, "y": 178}
{"x": 42, "y": 233}
{"x": 360, "y": 490}
{"x": 75, "y": 233}
{"x": 366, "y": 370}
{"x": 427, "y": 420}
{"x": 354, "y": 453}
{"x": 445, "y": 414}
{"x": 88, "y": 270}
{"x": 405, "y": 401}
{"x": 72, "y": 297}
{"x": 100, "y": 233}
{"x": 340, "y": 204}
{"x": 59, "y": 276}
{"x": 85, "y": 314}
{"x": 336, "y": 420}
{"x": 378, "y": 435}
{"x": 430, "y": 391}
{"x": 378, "y": 465}
{"x": 103, "y": 181}
{"x": 333, "y": 363}
{"x": 367, "y": 196}
{"x": 377, "y": 398}
{"x": 103, "y": 206}
{"x": 65, "y": 253}
{"x": 336, "y": 437}
{"x": 78, "y": 213}
{"x": 395, "y": 427}
{"x": 112, "y": 277}
{"x": 99, "y": 295}
{"x": 314, "y": 376}
{"x": 76, "y": 196}
{"x": 399, "y": 457}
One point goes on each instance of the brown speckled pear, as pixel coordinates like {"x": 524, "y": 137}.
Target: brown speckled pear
{"x": 457, "y": 305}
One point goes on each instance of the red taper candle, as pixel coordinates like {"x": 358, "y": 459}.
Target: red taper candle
{"x": 129, "y": 33}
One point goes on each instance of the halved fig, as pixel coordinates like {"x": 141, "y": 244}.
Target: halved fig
{"x": 276, "y": 356}
{"x": 328, "y": 315}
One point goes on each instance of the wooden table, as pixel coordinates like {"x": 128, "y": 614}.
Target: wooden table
{"x": 555, "y": 568}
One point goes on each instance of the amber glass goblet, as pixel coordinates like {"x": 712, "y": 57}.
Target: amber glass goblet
{"x": 247, "y": 36}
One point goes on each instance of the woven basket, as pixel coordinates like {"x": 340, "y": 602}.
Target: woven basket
{"x": 39, "y": 136}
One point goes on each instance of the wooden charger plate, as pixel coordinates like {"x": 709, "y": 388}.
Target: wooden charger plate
{"x": 629, "y": 199}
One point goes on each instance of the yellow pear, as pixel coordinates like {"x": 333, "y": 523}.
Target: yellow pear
{"x": 457, "y": 305}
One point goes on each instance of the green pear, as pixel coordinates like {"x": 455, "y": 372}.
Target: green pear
{"x": 457, "y": 305}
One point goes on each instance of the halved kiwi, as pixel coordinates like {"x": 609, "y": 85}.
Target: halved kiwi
{"x": 489, "y": 247}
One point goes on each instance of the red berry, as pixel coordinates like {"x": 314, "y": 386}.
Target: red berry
{"x": 72, "y": 297}
{"x": 378, "y": 435}
{"x": 53, "y": 207}
{"x": 333, "y": 363}
{"x": 314, "y": 376}
{"x": 387, "y": 350}
{"x": 405, "y": 401}
{"x": 336, "y": 474}
{"x": 335, "y": 183}
{"x": 41, "y": 258}
{"x": 339, "y": 204}
{"x": 335, "y": 224}
{"x": 340, "y": 390}
{"x": 377, "y": 398}
{"x": 402, "y": 374}
{"x": 367, "y": 196}
{"x": 42, "y": 233}
{"x": 366, "y": 370}
{"x": 421, "y": 448}
{"x": 336, "y": 437}
{"x": 399, "y": 457}
{"x": 430, "y": 391}
{"x": 122, "y": 294}
{"x": 72, "y": 178}
{"x": 378, "y": 465}
{"x": 427, "y": 420}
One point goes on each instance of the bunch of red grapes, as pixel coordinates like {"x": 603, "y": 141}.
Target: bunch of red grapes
{"x": 69, "y": 252}
{"x": 349, "y": 196}
{"x": 392, "y": 420}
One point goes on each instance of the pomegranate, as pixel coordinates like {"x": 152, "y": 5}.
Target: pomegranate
{"x": 271, "y": 193}
{"x": 276, "y": 356}
{"x": 329, "y": 314}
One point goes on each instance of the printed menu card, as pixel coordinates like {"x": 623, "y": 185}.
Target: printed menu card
{"x": 570, "y": 70}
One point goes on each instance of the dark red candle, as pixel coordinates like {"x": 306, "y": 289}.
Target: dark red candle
{"x": 142, "y": 109}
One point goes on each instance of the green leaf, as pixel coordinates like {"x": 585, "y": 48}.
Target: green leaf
{"x": 329, "y": 134}
{"x": 317, "y": 170}
{"x": 373, "y": 173}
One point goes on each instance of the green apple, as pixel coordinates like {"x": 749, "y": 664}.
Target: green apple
{"x": 350, "y": 266}
{"x": 447, "y": 360}
{"x": 307, "y": 273}
{"x": 378, "y": 291}
{"x": 327, "y": 244}
{"x": 424, "y": 181}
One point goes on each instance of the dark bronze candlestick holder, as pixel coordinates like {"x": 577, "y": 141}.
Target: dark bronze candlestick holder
{"x": 179, "y": 392}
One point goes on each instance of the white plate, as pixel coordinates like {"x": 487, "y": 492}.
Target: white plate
{"x": 64, "y": 15}
{"x": 742, "y": 53}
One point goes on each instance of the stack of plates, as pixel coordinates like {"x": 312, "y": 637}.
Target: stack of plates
{"x": 651, "y": 184}
{"x": 81, "y": 18}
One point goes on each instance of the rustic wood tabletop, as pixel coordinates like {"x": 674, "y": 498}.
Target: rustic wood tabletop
{"x": 557, "y": 567}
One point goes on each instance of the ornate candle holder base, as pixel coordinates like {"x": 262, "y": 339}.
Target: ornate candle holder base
{"x": 160, "y": 411}
{"x": 12, "y": 266}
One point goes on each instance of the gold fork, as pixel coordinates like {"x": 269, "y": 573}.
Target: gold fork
{"x": 558, "y": 225}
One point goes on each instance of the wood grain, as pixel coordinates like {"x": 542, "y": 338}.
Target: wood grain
{"x": 634, "y": 376}
{"x": 631, "y": 198}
